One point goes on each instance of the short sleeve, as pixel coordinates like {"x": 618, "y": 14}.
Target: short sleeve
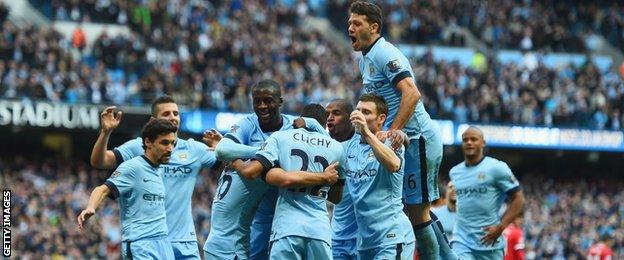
{"x": 268, "y": 154}
{"x": 206, "y": 157}
{"x": 393, "y": 64}
{"x": 505, "y": 180}
{"x": 241, "y": 131}
{"x": 128, "y": 150}
{"x": 121, "y": 181}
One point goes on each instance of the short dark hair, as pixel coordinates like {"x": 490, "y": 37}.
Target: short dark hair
{"x": 371, "y": 11}
{"x": 161, "y": 100}
{"x": 268, "y": 85}
{"x": 344, "y": 104}
{"x": 315, "y": 111}
{"x": 380, "y": 102}
{"x": 156, "y": 127}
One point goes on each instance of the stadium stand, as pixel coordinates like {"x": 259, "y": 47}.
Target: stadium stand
{"x": 562, "y": 217}
{"x": 207, "y": 57}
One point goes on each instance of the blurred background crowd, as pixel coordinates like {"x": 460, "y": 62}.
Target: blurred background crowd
{"x": 207, "y": 54}
{"x": 562, "y": 218}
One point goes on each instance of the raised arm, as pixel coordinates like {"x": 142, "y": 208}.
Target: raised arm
{"x": 101, "y": 157}
{"x": 96, "y": 198}
{"x": 384, "y": 154}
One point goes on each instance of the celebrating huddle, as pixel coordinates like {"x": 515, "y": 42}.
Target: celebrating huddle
{"x": 376, "y": 163}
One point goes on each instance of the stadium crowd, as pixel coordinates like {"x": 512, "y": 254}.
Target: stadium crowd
{"x": 553, "y": 26}
{"x": 562, "y": 218}
{"x": 202, "y": 74}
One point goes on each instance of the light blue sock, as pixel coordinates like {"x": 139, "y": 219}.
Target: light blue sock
{"x": 428, "y": 248}
{"x": 446, "y": 253}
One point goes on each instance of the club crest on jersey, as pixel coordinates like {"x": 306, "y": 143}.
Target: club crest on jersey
{"x": 370, "y": 155}
{"x": 481, "y": 176}
{"x": 183, "y": 156}
{"x": 263, "y": 146}
{"x": 234, "y": 128}
{"x": 371, "y": 68}
{"x": 394, "y": 66}
{"x": 115, "y": 174}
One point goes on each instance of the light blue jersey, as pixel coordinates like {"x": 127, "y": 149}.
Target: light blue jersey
{"x": 139, "y": 188}
{"x": 180, "y": 174}
{"x": 376, "y": 195}
{"x": 481, "y": 190}
{"x": 344, "y": 225}
{"x": 447, "y": 218}
{"x": 301, "y": 212}
{"x": 241, "y": 200}
{"x": 382, "y": 67}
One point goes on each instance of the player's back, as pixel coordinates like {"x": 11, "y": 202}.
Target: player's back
{"x": 233, "y": 208}
{"x": 302, "y": 211}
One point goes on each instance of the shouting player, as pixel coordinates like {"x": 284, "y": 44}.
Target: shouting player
{"x": 387, "y": 72}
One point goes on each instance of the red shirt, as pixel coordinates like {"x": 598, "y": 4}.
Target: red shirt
{"x": 515, "y": 243}
{"x": 600, "y": 251}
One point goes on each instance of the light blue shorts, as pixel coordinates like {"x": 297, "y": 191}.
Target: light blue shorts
{"x": 147, "y": 249}
{"x": 422, "y": 163}
{"x": 344, "y": 249}
{"x": 403, "y": 251}
{"x": 299, "y": 248}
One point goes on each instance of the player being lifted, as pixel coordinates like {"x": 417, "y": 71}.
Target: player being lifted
{"x": 301, "y": 228}
{"x": 238, "y": 200}
{"x": 179, "y": 174}
{"x": 482, "y": 184}
{"x": 138, "y": 184}
{"x": 387, "y": 72}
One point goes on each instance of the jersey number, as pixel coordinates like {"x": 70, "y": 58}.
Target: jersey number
{"x": 304, "y": 167}
{"x": 224, "y": 187}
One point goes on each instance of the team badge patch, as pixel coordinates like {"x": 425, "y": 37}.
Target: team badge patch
{"x": 263, "y": 146}
{"x": 481, "y": 176}
{"x": 234, "y": 128}
{"x": 183, "y": 156}
{"x": 115, "y": 174}
{"x": 394, "y": 66}
{"x": 371, "y": 69}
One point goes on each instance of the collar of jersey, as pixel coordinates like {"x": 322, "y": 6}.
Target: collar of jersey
{"x": 148, "y": 161}
{"x": 483, "y": 158}
{"x": 364, "y": 52}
